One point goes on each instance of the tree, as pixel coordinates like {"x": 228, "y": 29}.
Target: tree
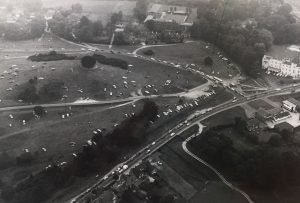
{"x": 275, "y": 140}
{"x": 39, "y": 110}
{"x": 140, "y": 10}
{"x": 28, "y": 94}
{"x": 84, "y": 21}
{"x": 77, "y": 8}
{"x": 116, "y": 18}
{"x": 285, "y": 9}
{"x": 51, "y": 91}
{"x": 148, "y": 52}
{"x": 85, "y": 33}
{"x": 208, "y": 61}
{"x": 97, "y": 28}
{"x": 88, "y": 61}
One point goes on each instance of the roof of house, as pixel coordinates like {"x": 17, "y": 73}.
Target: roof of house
{"x": 293, "y": 101}
{"x": 179, "y": 15}
{"x": 268, "y": 113}
{"x": 282, "y": 115}
{"x": 176, "y": 18}
{"x": 158, "y": 8}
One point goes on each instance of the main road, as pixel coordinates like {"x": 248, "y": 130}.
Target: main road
{"x": 177, "y": 130}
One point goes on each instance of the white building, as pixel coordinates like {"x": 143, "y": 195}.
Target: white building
{"x": 285, "y": 67}
{"x": 290, "y": 104}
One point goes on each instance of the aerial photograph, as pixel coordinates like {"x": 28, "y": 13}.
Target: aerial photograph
{"x": 149, "y": 101}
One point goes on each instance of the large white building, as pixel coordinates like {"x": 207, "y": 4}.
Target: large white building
{"x": 285, "y": 67}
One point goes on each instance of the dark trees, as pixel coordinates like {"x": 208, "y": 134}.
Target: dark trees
{"x": 208, "y": 61}
{"x": 88, "y": 61}
{"x": 39, "y": 110}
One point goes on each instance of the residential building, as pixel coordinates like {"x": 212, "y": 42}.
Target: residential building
{"x": 284, "y": 67}
{"x": 271, "y": 115}
{"x": 291, "y": 104}
{"x": 171, "y": 17}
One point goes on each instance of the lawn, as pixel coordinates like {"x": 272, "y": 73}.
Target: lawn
{"x": 92, "y": 83}
{"x": 281, "y": 98}
{"x": 194, "y": 53}
{"x": 225, "y": 117}
{"x": 209, "y": 188}
{"x": 261, "y": 104}
{"x": 45, "y": 43}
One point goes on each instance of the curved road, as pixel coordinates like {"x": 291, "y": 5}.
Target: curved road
{"x": 222, "y": 178}
{"x": 165, "y": 138}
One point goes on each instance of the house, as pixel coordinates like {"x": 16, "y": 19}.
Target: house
{"x": 281, "y": 116}
{"x": 272, "y": 115}
{"x": 171, "y": 17}
{"x": 291, "y": 104}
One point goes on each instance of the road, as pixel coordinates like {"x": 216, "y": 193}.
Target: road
{"x": 165, "y": 138}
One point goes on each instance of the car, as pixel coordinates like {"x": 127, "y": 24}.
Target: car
{"x": 148, "y": 151}
{"x": 153, "y": 143}
{"x": 172, "y": 134}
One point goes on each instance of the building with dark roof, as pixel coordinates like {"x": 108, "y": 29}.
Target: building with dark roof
{"x": 272, "y": 115}
{"x": 166, "y": 16}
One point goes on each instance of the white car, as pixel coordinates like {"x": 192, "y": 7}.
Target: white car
{"x": 172, "y": 134}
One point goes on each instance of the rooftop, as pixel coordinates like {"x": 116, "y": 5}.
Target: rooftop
{"x": 293, "y": 101}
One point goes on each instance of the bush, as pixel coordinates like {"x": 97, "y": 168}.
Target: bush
{"x": 111, "y": 61}
{"x": 88, "y": 62}
{"x": 51, "y": 91}
{"x": 148, "y": 52}
{"x": 51, "y": 56}
{"x": 208, "y": 61}
{"x": 7, "y": 193}
{"x": 28, "y": 94}
{"x": 39, "y": 110}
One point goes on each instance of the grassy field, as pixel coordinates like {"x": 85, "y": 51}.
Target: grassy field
{"x": 45, "y": 43}
{"x": 92, "y": 83}
{"x": 194, "y": 53}
{"x": 260, "y": 104}
{"x": 209, "y": 188}
{"x": 281, "y": 98}
{"x": 225, "y": 117}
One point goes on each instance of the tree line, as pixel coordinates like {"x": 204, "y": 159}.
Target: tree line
{"x": 261, "y": 166}
{"x": 245, "y": 31}
{"x": 103, "y": 150}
